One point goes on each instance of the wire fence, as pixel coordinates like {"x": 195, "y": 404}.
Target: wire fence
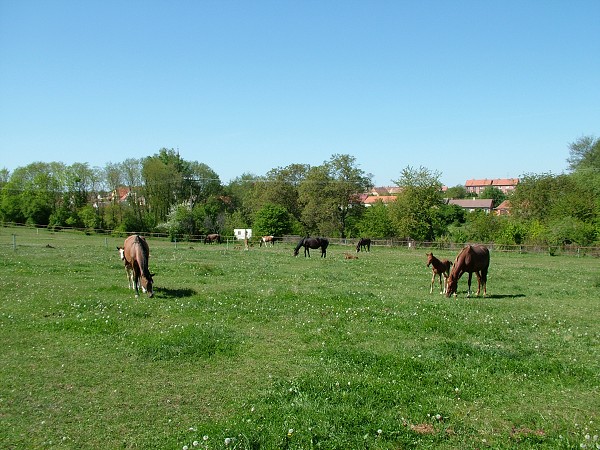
{"x": 13, "y": 236}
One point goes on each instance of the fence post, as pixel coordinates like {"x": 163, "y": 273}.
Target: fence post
{"x": 14, "y": 241}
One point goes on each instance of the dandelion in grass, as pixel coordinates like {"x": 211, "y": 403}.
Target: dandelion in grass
{"x": 227, "y": 441}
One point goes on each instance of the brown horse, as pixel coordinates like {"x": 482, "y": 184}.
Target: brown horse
{"x": 128, "y": 266}
{"x": 312, "y": 242}
{"x": 210, "y": 238}
{"x": 363, "y": 244}
{"x": 137, "y": 253}
{"x": 267, "y": 240}
{"x": 472, "y": 258}
{"x": 439, "y": 268}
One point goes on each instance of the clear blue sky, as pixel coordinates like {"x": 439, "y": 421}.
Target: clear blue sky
{"x": 472, "y": 89}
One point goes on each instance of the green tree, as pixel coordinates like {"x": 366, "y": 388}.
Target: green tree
{"x": 280, "y": 187}
{"x": 492, "y": 192}
{"x": 415, "y": 214}
{"x": 330, "y": 196}
{"x": 584, "y": 154}
{"x": 272, "y": 220}
{"x": 375, "y": 222}
{"x": 316, "y": 204}
{"x": 456, "y": 192}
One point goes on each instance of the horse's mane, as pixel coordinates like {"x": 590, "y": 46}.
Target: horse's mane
{"x": 299, "y": 244}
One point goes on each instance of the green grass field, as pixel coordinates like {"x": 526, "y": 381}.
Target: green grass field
{"x": 260, "y": 350}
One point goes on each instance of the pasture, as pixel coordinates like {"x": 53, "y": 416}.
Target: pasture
{"x": 260, "y": 350}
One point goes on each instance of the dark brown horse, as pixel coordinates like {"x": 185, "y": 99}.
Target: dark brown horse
{"x": 267, "y": 240}
{"x": 312, "y": 242}
{"x": 439, "y": 267}
{"x": 210, "y": 238}
{"x": 137, "y": 253}
{"x": 472, "y": 258}
{"x": 363, "y": 244}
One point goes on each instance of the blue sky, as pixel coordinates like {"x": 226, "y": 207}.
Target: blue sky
{"x": 471, "y": 89}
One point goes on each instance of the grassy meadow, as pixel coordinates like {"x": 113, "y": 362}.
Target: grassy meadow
{"x": 260, "y": 350}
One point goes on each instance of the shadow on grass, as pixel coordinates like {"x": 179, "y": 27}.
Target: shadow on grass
{"x": 174, "y": 293}
{"x": 505, "y": 296}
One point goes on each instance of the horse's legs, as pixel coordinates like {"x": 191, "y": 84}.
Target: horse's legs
{"x": 432, "y": 281}
{"x": 484, "y": 281}
{"x": 136, "y": 278}
{"x": 129, "y": 272}
{"x": 442, "y": 291}
{"x": 478, "y": 284}
{"x": 469, "y": 291}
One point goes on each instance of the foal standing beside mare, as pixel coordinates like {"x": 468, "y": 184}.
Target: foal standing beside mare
{"x": 128, "y": 266}
{"x": 315, "y": 242}
{"x": 137, "y": 253}
{"x": 439, "y": 268}
{"x": 472, "y": 258}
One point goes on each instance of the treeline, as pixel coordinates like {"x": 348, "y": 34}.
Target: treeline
{"x": 164, "y": 193}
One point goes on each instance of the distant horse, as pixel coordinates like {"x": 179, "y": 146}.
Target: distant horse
{"x": 137, "y": 253}
{"x": 210, "y": 238}
{"x": 312, "y": 242}
{"x": 267, "y": 240}
{"x": 128, "y": 266}
{"x": 472, "y": 258}
{"x": 363, "y": 244}
{"x": 439, "y": 268}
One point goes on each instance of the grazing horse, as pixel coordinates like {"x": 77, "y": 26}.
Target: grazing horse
{"x": 472, "y": 258}
{"x": 137, "y": 253}
{"x": 267, "y": 240}
{"x": 439, "y": 268}
{"x": 363, "y": 244}
{"x": 128, "y": 266}
{"x": 312, "y": 242}
{"x": 210, "y": 238}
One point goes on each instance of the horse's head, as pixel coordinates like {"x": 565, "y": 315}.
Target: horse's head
{"x": 121, "y": 251}
{"x": 296, "y": 251}
{"x": 451, "y": 285}
{"x": 429, "y": 258}
{"x": 147, "y": 282}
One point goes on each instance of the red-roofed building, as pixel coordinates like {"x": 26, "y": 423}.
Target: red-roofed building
{"x": 506, "y": 185}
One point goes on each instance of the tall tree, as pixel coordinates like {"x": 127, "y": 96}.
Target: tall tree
{"x": 330, "y": 196}
{"x": 416, "y": 211}
{"x": 584, "y": 154}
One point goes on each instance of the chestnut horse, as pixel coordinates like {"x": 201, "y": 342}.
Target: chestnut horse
{"x": 439, "y": 268}
{"x": 137, "y": 253}
{"x": 210, "y": 238}
{"x": 364, "y": 244}
{"x": 472, "y": 258}
{"x": 128, "y": 266}
{"x": 267, "y": 240}
{"x": 312, "y": 242}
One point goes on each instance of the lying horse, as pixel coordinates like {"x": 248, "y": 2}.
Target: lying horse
{"x": 439, "y": 268}
{"x": 137, "y": 253}
{"x": 312, "y": 242}
{"x": 363, "y": 244}
{"x": 266, "y": 240}
{"x": 210, "y": 238}
{"x": 128, "y": 266}
{"x": 472, "y": 258}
